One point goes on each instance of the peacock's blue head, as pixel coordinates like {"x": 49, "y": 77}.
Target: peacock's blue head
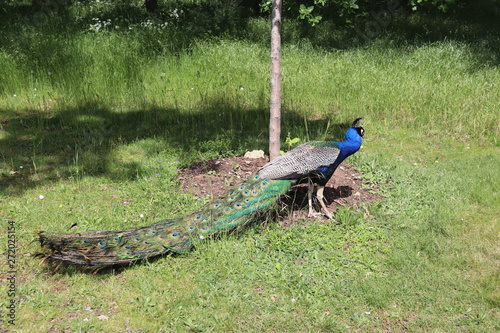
{"x": 356, "y": 132}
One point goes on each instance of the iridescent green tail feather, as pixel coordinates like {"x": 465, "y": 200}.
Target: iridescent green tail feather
{"x": 107, "y": 248}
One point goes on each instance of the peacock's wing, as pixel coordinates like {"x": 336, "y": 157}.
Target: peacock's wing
{"x": 301, "y": 161}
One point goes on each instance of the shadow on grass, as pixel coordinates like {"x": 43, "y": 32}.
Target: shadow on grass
{"x": 183, "y": 23}
{"x": 42, "y": 147}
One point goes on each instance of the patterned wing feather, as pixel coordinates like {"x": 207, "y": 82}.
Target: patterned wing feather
{"x": 301, "y": 161}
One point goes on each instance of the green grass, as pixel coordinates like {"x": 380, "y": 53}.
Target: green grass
{"x": 114, "y": 118}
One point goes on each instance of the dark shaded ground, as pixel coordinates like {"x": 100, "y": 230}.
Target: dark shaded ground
{"x": 213, "y": 178}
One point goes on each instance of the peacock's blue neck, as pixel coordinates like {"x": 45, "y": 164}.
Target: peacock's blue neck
{"x": 349, "y": 146}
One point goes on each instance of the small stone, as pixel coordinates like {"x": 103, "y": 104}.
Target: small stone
{"x": 254, "y": 154}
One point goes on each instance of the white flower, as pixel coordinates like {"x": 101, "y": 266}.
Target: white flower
{"x": 201, "y": 237}
{"x": 141, "y": 216}
{"x": 41, "y": 196}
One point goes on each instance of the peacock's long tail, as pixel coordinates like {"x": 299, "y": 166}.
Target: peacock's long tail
{"x": 106, "y": 248}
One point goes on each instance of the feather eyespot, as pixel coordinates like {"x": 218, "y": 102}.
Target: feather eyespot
{"x": 137, "y": 239}
{"x": 127, "y": 247}
{"x": 242, "y": 187}
{"x": 216, "y": 205}
{"x": 86, "y": 241}
{"x": 175, "y": 235}
{"x": 102, "y": 243}
{"x": 154, "y": 232}
{"x": 237, "y": 206}
{"x": 147, "y": 243}
{"x": 191, "y": 228}
{"x": 247, "y": 200}
{"x": 198, "y": 217}
{"x": 254, "y": 192}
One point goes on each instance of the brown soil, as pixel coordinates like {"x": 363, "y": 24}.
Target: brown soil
{"x": 213, "y": 178}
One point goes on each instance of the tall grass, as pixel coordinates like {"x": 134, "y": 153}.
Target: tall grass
{"x": 425, "y": 86}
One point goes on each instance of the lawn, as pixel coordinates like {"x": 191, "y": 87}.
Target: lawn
{"x": 95, "y": 124}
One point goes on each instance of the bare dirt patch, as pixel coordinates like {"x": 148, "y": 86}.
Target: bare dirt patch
{"x": 213, "y": 178}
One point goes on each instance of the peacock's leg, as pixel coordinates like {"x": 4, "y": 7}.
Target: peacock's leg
{"x": 310, "y": 189}
{"x": 319, "y": 195}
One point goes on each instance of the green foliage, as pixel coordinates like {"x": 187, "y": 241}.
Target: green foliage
{"x": 442, "y": 5}
{"x": 306, "y": 13}
{"x": 291, "y": 143}
{"x": 349, "y": 11}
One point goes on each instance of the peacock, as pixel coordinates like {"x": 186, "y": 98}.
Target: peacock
{"x": 313, "y": 163}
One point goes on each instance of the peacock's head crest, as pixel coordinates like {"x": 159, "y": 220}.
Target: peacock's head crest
{"x": 359, "y": 129}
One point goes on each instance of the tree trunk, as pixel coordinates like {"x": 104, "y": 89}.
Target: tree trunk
{"x": 275, "y": 102}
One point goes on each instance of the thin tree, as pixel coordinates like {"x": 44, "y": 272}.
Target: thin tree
{"x": 275, "y": 101}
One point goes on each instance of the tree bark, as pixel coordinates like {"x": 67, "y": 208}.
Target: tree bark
{"x": 275, "y": 101}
